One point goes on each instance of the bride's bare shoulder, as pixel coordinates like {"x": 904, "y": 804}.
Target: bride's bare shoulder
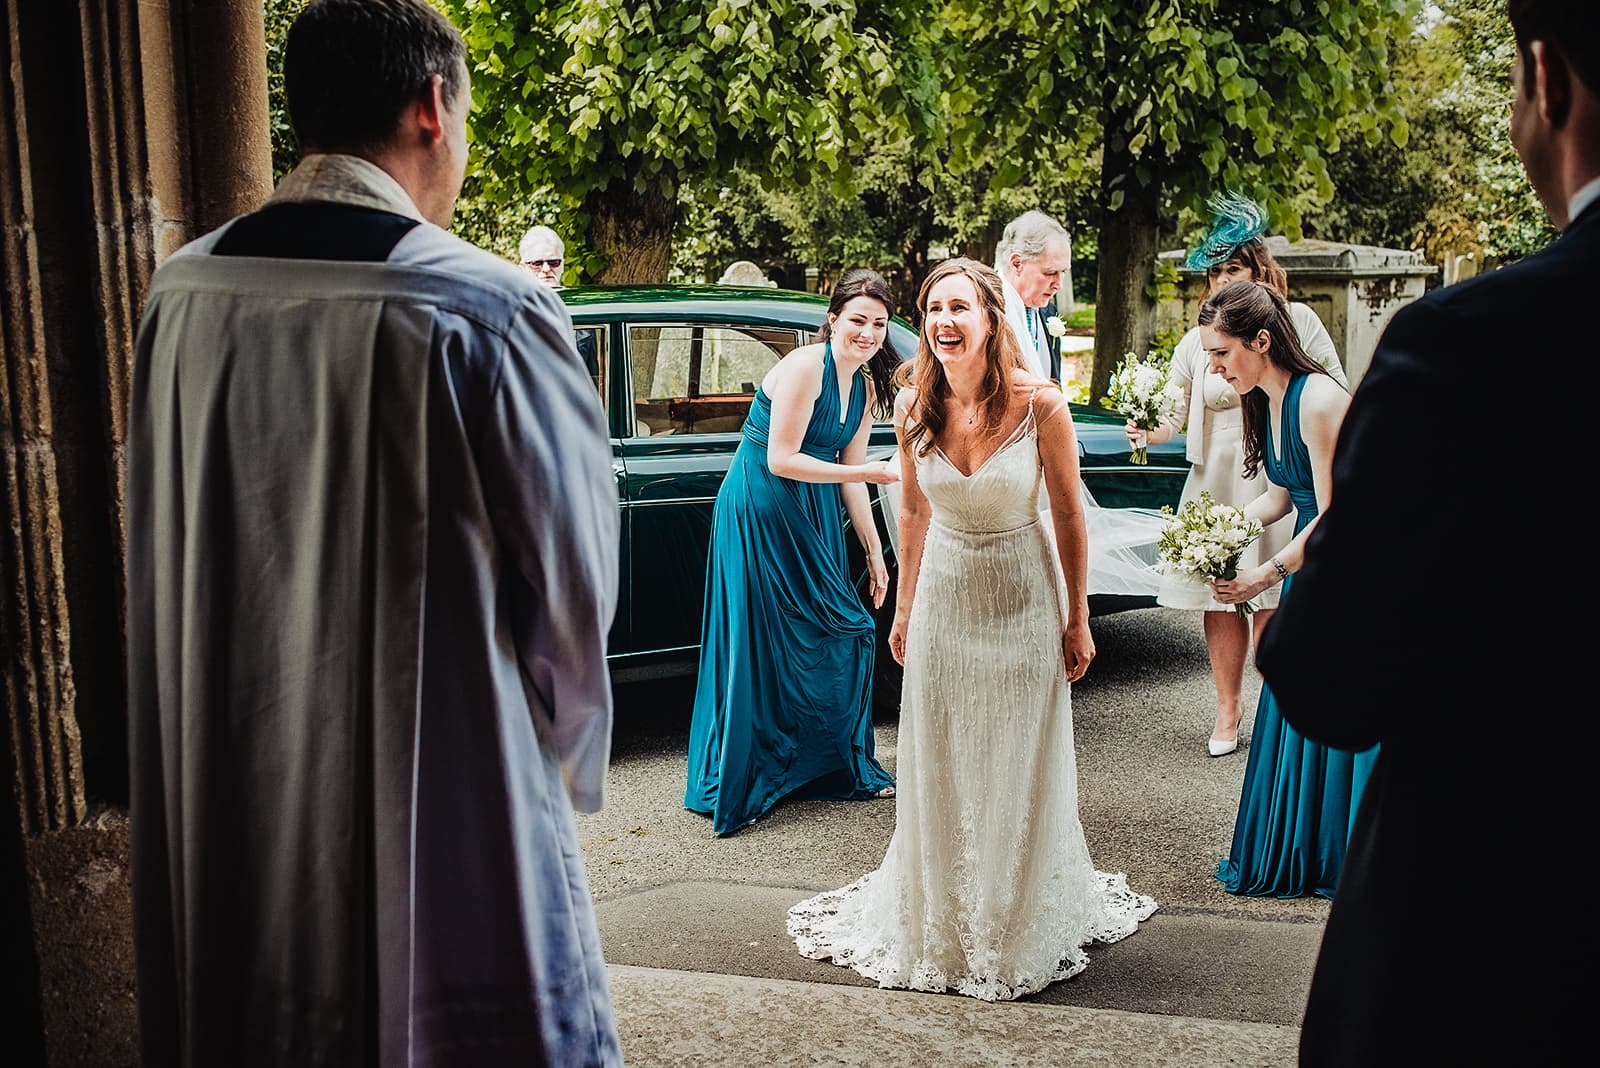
{"x": 1025, "y": 384}
{"x": 905, "y": 403}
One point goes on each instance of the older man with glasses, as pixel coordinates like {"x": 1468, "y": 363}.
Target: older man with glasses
{"x": 543, "y": 253}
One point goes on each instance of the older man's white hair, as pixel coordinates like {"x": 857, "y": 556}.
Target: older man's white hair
{"x": 541, "y": 243}
{"x": 1027, "y": 235}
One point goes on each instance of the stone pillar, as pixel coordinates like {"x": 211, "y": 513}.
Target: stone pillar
{"x": 126, "y": 129}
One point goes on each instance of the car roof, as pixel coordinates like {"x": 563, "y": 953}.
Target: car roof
{"x": 756, "y": 301}
{"x": 754, "y": 304}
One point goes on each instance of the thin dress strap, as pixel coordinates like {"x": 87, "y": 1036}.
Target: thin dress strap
{"x": 1029, "y": 419}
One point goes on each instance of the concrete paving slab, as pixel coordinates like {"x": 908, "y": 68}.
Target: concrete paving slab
{"x": 1179, "y": 963}
{"x": 679, "y": 1018}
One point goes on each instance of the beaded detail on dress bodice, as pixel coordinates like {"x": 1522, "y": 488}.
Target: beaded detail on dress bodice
{"x": 1002, "y": 494}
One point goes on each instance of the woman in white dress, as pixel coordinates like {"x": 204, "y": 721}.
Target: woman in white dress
{"x": 1232, "y": 251}
{"x": 987, "y": 887}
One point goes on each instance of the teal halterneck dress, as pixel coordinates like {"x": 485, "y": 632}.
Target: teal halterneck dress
{"x": 783, "y": 703}
{"x": 1299, "y": 797}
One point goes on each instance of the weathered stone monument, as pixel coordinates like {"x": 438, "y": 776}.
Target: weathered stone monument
{"x": 1355, "y": 289}
{"x": 745, "y": 273}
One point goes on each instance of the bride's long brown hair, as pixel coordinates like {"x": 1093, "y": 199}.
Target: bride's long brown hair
{"x": 925, "y": 374}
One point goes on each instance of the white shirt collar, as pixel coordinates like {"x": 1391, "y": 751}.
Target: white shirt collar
{"x": 1586, "y": 195}
{"x": 340, "y": 179}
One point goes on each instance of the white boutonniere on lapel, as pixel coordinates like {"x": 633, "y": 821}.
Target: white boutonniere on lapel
{"x": 1055, "y": 327}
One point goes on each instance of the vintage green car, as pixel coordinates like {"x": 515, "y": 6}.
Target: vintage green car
{"x": 676, "y": 368}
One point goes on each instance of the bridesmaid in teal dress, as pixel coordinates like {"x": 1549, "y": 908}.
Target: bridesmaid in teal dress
{"x": 1299, "y": 798}
{"x": 783, "y": 703}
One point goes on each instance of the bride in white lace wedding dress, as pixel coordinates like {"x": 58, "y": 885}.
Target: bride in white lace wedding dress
{"x": 987, "y": 887}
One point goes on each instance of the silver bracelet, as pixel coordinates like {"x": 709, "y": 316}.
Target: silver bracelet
{"x": 1277, "y": 565}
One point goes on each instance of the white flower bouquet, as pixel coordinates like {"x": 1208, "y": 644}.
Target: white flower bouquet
{"x": 1204, "y": 540}
{"x": 1143, "y": 391}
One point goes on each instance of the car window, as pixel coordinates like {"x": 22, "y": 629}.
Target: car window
{"x": 591, "y": 343}
{"x": 699, "y": 378}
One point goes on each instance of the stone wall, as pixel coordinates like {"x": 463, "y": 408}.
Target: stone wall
{"x": 126, "y": 129}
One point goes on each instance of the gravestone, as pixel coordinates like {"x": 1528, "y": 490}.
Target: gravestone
{"x": 745, "y": 273}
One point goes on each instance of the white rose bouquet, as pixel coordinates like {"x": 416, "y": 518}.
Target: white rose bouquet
{"x": 1204, "y": 539}
{"x": 1142, "y": 391}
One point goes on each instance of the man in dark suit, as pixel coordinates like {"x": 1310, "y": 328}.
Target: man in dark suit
{"x": 1051, "y": 341}
{"x": 1421, "y": 620}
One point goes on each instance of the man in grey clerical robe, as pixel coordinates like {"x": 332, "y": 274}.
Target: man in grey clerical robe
{"x": 372, "y": 562}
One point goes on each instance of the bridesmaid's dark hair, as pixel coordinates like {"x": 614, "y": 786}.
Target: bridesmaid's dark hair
{"x": 1243, "y": 310}
{"x": 865, "y": 282}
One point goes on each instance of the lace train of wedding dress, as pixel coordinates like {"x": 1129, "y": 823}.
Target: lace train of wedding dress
{"x": 987, "y": 887}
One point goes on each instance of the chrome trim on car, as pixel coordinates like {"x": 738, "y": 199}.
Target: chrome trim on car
{"x": 1133, "y": 468}
{"x": 668, "y": 500}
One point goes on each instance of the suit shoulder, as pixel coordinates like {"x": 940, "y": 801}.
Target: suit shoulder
{"x": 1548, "y": 276}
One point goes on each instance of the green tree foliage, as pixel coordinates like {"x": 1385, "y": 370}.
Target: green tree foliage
{"x": 1184, "y": 98}
{"x": 1457, "y": 187}
{"x": 883, "y": 220}
{"x": 897, "y": 207}
{"x": 278, "y": 16}
{"x": 617, "y": 105}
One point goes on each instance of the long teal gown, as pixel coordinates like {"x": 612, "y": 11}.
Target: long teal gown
{"x": 1299, "y": 797}
{"x": 783, "y": 703}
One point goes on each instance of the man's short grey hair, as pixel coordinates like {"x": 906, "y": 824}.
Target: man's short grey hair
{"x": 540, "y": 237}
{"x": 1028, "y": 234}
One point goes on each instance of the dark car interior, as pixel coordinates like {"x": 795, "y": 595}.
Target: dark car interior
{"x": 700, "y": 378}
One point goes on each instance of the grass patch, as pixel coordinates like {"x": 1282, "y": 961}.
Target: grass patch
{"x": 1082, "y": 318}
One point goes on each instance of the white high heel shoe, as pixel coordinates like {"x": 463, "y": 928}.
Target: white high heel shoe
{"x": 1221, "y": 746}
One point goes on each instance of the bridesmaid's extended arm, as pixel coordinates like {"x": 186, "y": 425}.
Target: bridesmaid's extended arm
{"x": 1270, "y": 505}
{"x": 912, "y": 530}
{"x": 1058, "y": 451}
{"x": 793, "y": 387}
{"x": 858, "y": 506}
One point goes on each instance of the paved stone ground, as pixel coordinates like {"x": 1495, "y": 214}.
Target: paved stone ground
{"x": 676, "y": 902}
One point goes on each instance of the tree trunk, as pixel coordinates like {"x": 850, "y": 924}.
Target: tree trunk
{"x": 983, "y": 247}
{"x": 633, "y": 233}
{"x": 914, "y": 261}
{"x": 1124, "y": 316}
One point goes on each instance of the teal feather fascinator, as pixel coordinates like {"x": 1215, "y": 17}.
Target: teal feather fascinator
{"x": 1235, "y": 220}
